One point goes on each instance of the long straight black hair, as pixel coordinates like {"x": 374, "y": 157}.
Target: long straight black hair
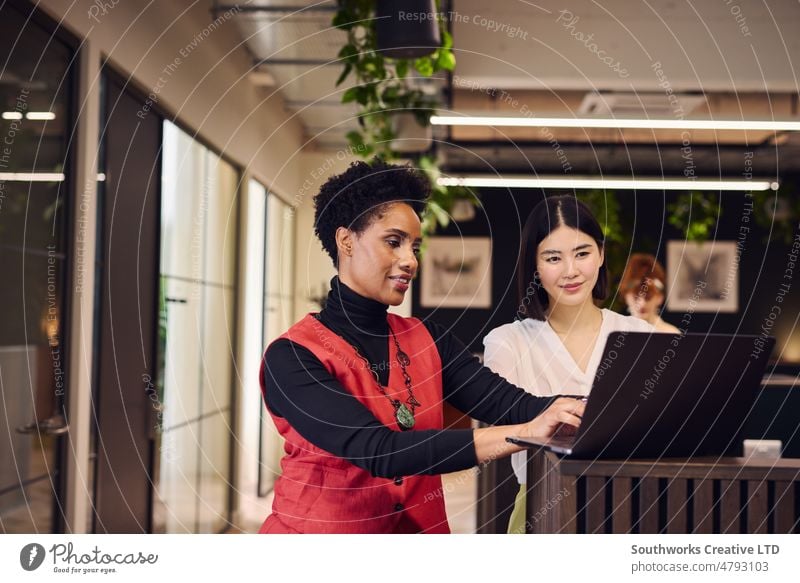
{"x": 547, "y": 216}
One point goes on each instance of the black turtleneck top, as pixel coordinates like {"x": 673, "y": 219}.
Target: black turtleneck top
{"x": 301, "y": 390}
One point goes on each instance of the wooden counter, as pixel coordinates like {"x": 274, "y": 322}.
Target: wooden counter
{"x": 702, "y": 495}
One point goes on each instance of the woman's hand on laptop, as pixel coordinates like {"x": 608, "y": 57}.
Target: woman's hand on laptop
{"x": 563, "y": 411}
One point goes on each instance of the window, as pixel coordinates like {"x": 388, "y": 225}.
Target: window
{"x": 198, "y": 293}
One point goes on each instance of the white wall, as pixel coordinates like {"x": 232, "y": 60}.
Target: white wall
{"x": 314, "y": 266}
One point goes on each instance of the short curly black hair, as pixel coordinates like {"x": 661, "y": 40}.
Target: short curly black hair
{"x": 355, "y": 197}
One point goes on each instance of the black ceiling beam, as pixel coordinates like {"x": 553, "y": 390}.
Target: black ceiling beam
{"x": 463, "y": 156}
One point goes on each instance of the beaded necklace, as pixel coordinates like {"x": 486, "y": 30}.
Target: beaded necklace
{"x": 403, "y": 412}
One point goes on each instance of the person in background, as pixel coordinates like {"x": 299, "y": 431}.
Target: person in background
{"x": 642, "y": 286}
{"x": 556, "y": 345}
{"x": 357, "y": 392}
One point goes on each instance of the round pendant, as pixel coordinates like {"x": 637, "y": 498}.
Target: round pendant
{"x": 405, "y": 418}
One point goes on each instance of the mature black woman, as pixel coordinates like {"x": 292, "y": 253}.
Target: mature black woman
{"x": 357, "y": 393}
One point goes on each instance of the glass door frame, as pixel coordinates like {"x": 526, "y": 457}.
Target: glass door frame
{"x": 67, "y": 192}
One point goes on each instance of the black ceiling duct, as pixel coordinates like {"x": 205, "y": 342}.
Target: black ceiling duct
{"x": 407, "y": 29}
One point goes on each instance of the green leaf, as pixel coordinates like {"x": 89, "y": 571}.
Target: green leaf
{"x": 446, "y": 60}
{"x": 366, "y": 94}
{"x": 390, "y": 94}
{"x": 447, "y": 40}
{"x": 343, "y": 19}
{"x": 426, "y": 163}
{"x": 349, "y": 54}
{"x": 350, "y": 94}
{"x": 347, "y": 68}
{"x": 381, "y": 73}
{"x": 355, "y": 139}
{"x": 428, "y": 228}
{"x": 439, "y": 214}
{"x": 401, "y": 68}
{"x": 424, "y": 65}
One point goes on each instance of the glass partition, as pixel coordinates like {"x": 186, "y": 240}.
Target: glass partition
{"x": 278, "y": 316}
{"x": 35, "y": 125}
{"x": 198, "y": 293}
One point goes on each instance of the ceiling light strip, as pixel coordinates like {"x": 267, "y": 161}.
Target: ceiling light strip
{"x": 607, "y": 183}
{"x": 659, "y": 124}
{"x": 32, "y": 176}
{"x": 40, "y": 115}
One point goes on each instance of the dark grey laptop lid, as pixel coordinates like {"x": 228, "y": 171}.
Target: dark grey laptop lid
{"x": 664, "y": 395}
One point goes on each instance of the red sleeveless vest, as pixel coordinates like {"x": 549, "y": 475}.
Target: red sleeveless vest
{"x": 318, "y": 492}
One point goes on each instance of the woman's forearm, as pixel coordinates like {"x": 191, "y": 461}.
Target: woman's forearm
{"x": 490, "y": 442}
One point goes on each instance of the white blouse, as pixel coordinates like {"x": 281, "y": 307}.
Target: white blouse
{"x": 530, "y": 354}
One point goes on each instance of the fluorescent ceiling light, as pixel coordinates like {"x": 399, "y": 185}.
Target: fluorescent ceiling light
{"x": 619, "y": 123}
{"x": 40, "y": 115}
{"x": 39, "y": 177}
{"x": 606, "y": 183}
{"x": 32, "y": 176}
{"x": 12, "y": 115}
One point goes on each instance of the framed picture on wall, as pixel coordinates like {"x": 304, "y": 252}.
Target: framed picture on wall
{"x": 702, "y": 277}
{"x": 457, "y": 273}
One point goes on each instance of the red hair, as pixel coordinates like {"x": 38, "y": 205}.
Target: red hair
{"x": 643, "y": 275}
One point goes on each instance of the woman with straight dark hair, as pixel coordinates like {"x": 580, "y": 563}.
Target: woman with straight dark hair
{"x": 556, "y": 345}
{"x": 357, "y": 392}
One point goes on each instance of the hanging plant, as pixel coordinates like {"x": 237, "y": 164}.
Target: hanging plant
{"x": 383, "y": 87}
{"x": 383, "y": 91}
{"x": 442, "y": 199}
{"x": 695, "y": 213}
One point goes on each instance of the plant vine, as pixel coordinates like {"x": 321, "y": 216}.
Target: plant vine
{"x": 383, "y": 89}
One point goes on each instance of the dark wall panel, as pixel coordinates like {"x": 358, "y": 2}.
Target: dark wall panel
{"x": 763, "y": 263}
{"x": 128, "y": 313}
{"x": 501, "y": 216}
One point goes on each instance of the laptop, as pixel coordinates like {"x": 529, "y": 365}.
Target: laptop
{"x": 665, "y": 395}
